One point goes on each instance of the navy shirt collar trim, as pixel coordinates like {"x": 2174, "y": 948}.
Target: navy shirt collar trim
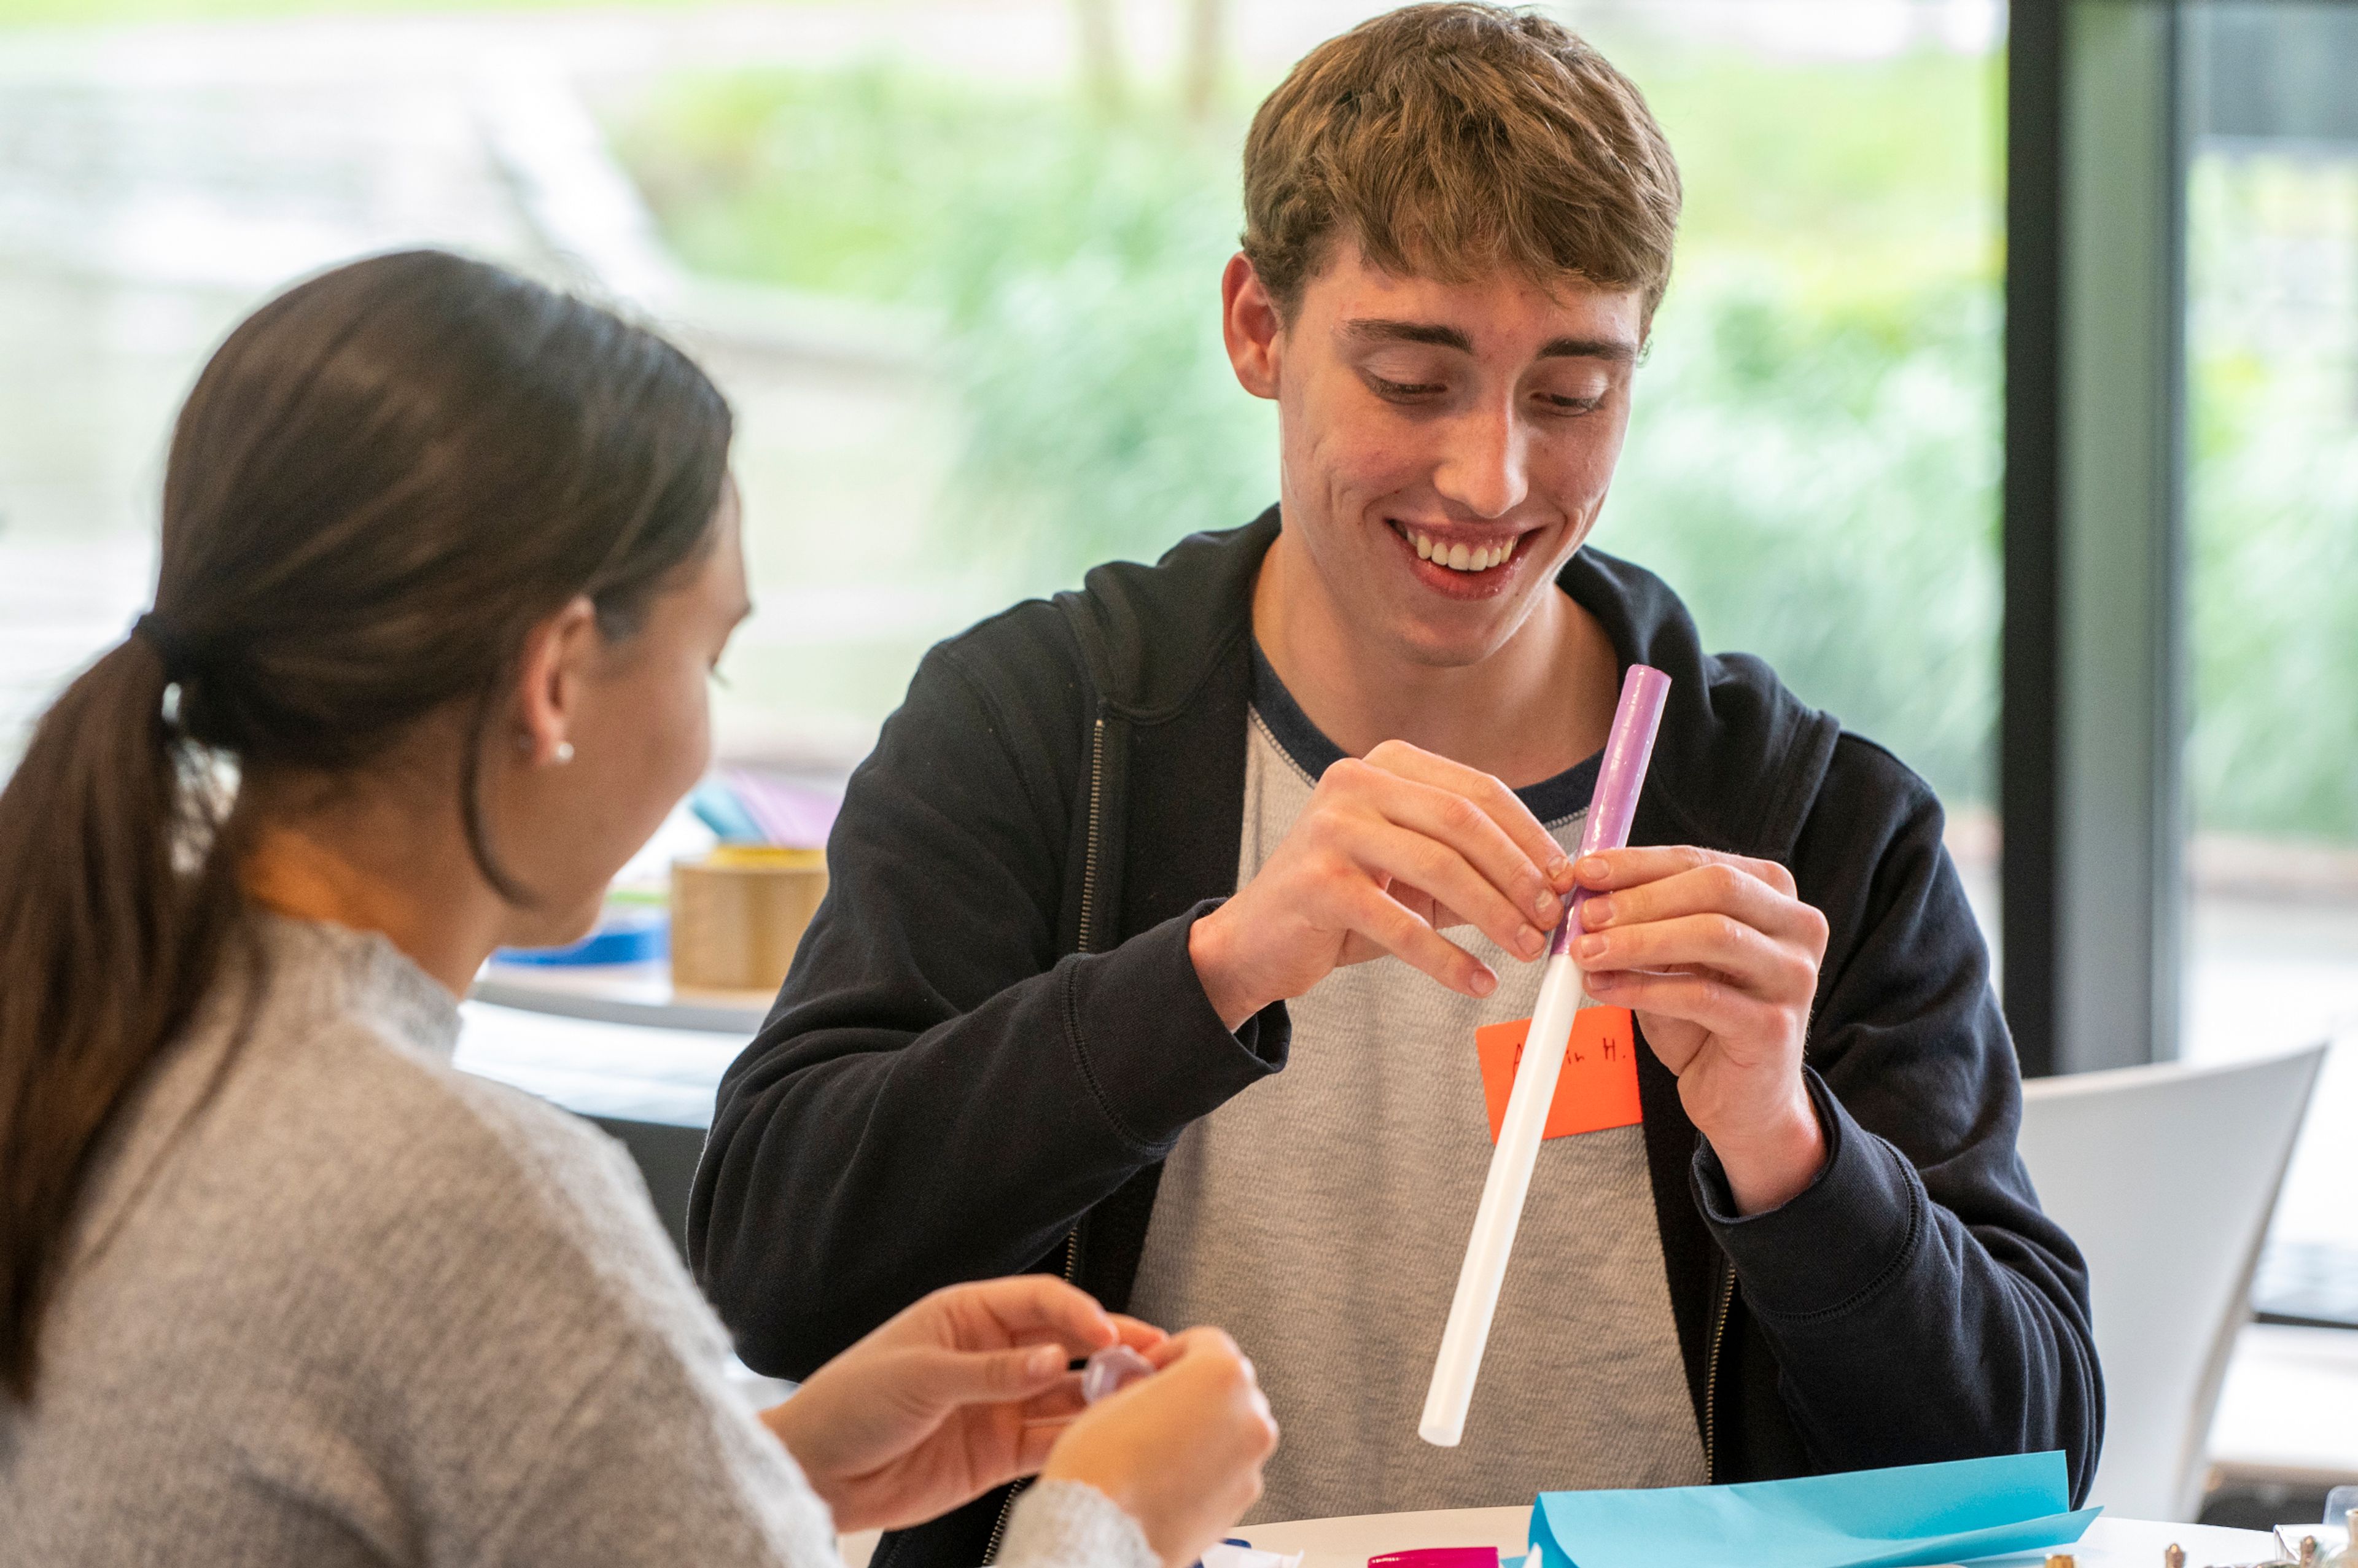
{"x": 1552, "y": 800}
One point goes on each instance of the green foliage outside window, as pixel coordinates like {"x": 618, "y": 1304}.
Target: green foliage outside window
{"x": 1075, "y": 262}
{"x": 2272, "y": 497}
{"x": 1814, "y": 461}
{"x": 1815, "y": 458}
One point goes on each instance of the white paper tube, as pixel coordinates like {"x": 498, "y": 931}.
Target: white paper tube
{"x": 1627, "y": 750}
{"x": 1486, "y": 1250}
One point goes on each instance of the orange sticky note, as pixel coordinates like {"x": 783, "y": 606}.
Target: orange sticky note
{"x": 1599, "y": 1086}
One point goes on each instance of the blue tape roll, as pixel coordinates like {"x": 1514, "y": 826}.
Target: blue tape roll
{"x": 624, "y": 937}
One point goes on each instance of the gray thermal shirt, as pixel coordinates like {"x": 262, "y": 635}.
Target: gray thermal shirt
{"x": 333, "y": 1303}
{"x": 1321, "y": 1216}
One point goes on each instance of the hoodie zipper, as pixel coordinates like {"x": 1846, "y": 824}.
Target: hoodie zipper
{"x": 1090, "y": 853}
{"x": 1725, "y": 1298}
{"x": 1081, "y": 944}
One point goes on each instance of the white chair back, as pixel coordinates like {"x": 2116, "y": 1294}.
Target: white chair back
{"x": 2166, "y": 1176}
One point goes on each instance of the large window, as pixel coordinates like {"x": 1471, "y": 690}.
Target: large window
{"x": 1813, "y": 463}
{"x": 961, "y": 283}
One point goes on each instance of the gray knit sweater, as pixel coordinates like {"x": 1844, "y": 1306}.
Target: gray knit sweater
{"x": 331, "y": 1302}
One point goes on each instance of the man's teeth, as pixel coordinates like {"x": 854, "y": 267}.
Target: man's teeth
{"x": 1458, "y": 558}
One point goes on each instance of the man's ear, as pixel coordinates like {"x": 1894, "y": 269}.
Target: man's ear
{"x": 551, "y": 672}
{"x": 1251, "y": 324}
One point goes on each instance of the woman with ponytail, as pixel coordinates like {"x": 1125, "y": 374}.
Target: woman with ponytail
{"x": 446, "y": 557}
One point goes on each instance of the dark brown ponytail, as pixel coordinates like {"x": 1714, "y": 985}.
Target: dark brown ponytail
{"x": 382, "y": 479}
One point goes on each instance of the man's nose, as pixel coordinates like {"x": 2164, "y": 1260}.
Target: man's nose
{"x": 1484, "y": 468}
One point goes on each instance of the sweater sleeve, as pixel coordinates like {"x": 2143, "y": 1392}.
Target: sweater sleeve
{"x": 1066, "y": 1524}
{"x": 1920, "y": 1304}
{"x": 938, "y": 1095}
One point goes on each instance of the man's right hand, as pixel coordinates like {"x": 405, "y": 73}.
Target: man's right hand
{"x": 1392, "y": 848}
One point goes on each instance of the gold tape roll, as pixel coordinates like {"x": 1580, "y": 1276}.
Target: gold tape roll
{"x": 738, "y": 914}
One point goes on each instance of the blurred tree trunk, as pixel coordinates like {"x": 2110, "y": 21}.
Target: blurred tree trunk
{"x": 1206, "y": 54}
{"x": 1100, "y": 42}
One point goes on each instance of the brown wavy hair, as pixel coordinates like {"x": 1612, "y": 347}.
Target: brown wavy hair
{"x": 381, "y": 482}
{"x": 1449, "y": 140}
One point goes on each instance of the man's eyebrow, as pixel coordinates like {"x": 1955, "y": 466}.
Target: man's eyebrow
{"x": 1378, "y": 330}
{"x": 1616, "y": 348}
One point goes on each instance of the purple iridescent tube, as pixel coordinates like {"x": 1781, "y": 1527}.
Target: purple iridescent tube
{"x": 1614, "y": 806}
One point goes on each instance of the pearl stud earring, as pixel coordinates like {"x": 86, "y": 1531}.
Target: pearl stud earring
{"x": 564, "y": 753}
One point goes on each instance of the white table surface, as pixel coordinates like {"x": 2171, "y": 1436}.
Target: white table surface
{"x": 1349, "y": 1542}
{"x": 622, "y": 993}
{"x": 622, "y": 1070}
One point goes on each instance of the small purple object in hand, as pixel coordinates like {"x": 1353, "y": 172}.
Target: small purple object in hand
{"x": 1110, "y": 1368}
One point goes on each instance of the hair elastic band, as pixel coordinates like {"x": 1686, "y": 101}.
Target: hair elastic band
{"x": 168, "y": 644}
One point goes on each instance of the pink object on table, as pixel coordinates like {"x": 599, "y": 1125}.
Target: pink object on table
{"x": 1439, "y": 1557}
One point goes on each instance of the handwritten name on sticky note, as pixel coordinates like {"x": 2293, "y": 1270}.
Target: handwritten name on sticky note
{"x": 1599, "y": 1086}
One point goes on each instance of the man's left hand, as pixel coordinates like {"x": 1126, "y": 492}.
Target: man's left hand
{"x": 1719, "y": 960}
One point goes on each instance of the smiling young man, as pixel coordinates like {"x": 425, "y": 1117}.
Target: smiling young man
{"x": 1165, "y": 915}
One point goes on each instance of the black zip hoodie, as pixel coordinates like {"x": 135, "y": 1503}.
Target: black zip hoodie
{"x": 993, "y": 1035}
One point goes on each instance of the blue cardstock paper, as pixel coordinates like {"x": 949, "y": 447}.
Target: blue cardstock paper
{"x": 1915, "y": 1514}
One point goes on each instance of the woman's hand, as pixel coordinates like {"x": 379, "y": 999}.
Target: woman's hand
{"x": 1180, "y": 1452}
{"x": 964, "y": 1390}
